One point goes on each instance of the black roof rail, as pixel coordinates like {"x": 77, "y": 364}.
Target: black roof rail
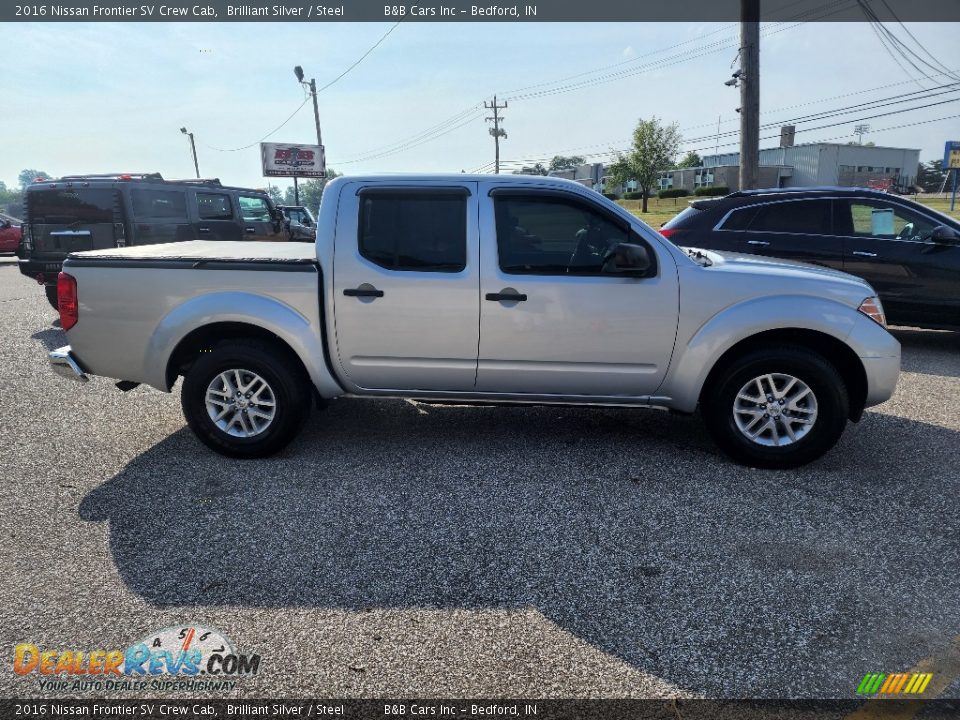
{"x": 215, "y": 182}
{"x": 114, "y": 176}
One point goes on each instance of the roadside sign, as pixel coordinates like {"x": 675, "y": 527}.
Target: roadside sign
{"x": 951, "y": 155}
{"x": 293, "y": 160}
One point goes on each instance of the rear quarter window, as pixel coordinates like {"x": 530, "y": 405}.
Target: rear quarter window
{"x": 683, "y": 218}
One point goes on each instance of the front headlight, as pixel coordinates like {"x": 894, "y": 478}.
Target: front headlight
{"x": 873, "y": 309}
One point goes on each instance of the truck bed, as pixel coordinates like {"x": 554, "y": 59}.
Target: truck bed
{"x": 202, "y": 251}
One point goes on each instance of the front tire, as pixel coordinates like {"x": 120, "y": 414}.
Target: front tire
{"x": 778, "y": 407}
{"x": 246, "y": 398}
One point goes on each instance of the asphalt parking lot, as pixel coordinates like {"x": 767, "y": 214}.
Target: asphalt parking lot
{"x": 398, "y": 549}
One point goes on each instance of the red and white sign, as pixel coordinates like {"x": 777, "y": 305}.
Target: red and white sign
{"x": 289, "y": 160}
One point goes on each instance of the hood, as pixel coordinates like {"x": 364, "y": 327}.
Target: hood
{"x": 775, "y": 267}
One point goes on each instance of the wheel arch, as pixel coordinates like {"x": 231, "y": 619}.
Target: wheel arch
{"x": 834, "y": 350}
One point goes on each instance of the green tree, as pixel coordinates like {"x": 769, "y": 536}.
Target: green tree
{"x": 654, "y": 148}
{"x": 690, "y": 160}
{"x": 930, "y": 175}
{"x": 561, "y": 162}
{"x": 28, "y": 176}
{"x": 274, "y": 192}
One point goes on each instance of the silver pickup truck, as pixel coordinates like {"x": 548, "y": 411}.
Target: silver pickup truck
{"x": 493, "y": 289}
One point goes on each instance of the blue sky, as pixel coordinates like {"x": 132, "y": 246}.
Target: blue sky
{"x": 112, "y": 96}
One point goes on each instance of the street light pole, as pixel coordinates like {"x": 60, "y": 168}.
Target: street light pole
{"x": 193, "y": 149}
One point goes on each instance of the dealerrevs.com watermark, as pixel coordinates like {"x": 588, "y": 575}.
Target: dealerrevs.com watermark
{"x": 190, "y": 658}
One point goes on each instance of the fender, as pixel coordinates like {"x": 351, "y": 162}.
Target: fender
{"x": 738, "y": 322}
{"x": 285, "y": 322}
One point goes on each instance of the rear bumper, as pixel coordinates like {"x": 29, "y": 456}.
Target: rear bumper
{"x": 64, "y": 363}
{"x": 44, "y": 271}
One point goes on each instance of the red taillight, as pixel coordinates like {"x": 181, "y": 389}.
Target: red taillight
{"x": 667, "y": 232}
{"x": 67, "y": 300}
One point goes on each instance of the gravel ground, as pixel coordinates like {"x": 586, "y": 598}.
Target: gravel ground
{"x": 398, "y": 549}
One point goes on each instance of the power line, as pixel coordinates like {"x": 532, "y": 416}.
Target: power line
{"x": 307, "y": 98}
{"x": 360, "y": 59}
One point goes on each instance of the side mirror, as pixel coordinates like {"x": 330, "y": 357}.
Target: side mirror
{"x": 628, "y": 259}
{"x": 945, "y": 235}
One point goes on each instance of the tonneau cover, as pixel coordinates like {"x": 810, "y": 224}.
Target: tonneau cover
{"x": 209, "y": 250}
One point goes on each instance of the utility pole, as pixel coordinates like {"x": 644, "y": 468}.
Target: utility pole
{"x": 496, "y": 130}
{"x": 860, "y": 131}
{"x": 312, "y": 87}
{"x": 749, "y": 94}
{"x": 193, "y": 149}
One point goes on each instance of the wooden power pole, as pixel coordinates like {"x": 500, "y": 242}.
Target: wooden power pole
{"x": 749, "y": 94}
{"x": 497, "y": 131}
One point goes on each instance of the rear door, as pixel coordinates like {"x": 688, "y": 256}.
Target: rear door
{"x": 790, "y": 229}
{"x": 257, "y": 221}
{"x": 160, "y": 215}
{"x": 217, "y": 218}
{"x": 406, "y": 286}
{"x": 67, "y": 219}
{"x": 889, "y": 246}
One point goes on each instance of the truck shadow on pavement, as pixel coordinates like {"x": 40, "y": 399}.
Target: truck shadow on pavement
{"x": 626, "y": 529}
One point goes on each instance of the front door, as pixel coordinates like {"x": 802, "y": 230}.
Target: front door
{"x": 405, "y": 283}
{"x": 257, "y": 216}
{"x": 890, "y": 246}
{"x": 551, "y": 321}
{"x": 216, "y": 217}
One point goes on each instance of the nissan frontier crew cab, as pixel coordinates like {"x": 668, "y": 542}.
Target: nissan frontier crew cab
{"x": 498, "y": 289}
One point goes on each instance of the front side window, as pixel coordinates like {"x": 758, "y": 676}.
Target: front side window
{"x": 805, "y": 217}
{"x": 214, "y": 206}
{"x": 553, "y": 236}
{"x": 885, "y": 220}
{"x": 254, "y": 209}
{"x": 159, "y": 204}
{"x": 422, "y": 231}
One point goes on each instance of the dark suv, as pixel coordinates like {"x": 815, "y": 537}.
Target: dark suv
{"x": 89, "y": 212}
{"x": 908, "y": 252}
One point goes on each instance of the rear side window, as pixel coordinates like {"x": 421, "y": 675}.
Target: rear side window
{"x": 159, "y": 204}
{"x": 62, "y": 207}
{"x": 214, "y": 206}
{"x": 795, "y": 216}
{"x": 254, "y": 209}
{"x": 424, "y": 232}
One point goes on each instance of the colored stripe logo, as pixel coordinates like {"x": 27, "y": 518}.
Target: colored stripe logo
{"x": 894, "y": 683}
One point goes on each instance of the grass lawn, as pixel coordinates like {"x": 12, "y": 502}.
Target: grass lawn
{"x": 659, "y": 211}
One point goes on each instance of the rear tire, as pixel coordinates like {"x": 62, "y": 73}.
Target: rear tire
{"x": 777, "y": 407}
{"x": 51, "y": 291}
{"x": 247, "y": 398}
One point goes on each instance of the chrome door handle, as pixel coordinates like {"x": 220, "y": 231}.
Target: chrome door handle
{"x": 250, "y": 230}
{"x": 764, "y": 243}
{"x": 861, "y": 253}
{"x": 204, "y": 229}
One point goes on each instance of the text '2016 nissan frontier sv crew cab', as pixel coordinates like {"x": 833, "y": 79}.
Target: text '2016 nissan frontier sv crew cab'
{"x": 481, "y": 288}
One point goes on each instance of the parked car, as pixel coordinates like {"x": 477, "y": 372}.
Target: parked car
{"x": 88, "y": 212}
{"x": 9, "y": 236}
{"x": 300, "y": 222}
{"x": 909, "y": 252}
{"x": 493, "y": 289}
